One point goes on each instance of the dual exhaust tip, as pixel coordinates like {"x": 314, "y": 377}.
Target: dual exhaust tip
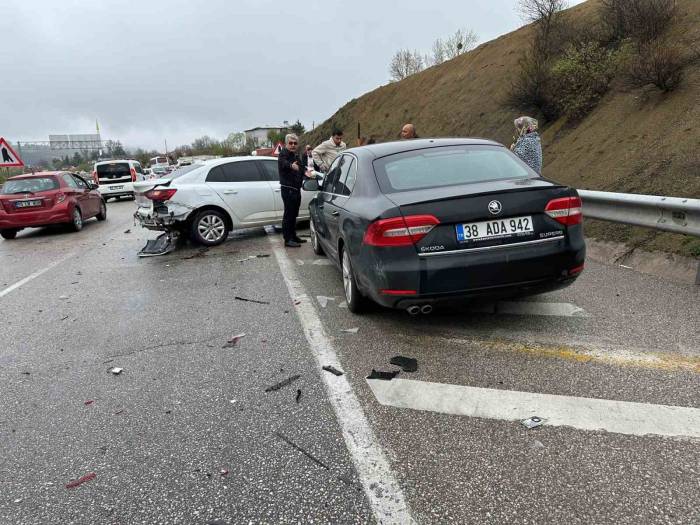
{"x": 415, "y": 309}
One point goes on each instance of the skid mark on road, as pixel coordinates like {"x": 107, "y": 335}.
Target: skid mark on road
{"x": 621, "y": 417}
{"x": 610, "y": 356}
{"x": 381, "y": 487}
{"x": 33, "y": 276}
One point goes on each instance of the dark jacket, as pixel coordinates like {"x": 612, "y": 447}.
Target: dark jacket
{"x": 288, "y": 177}
{"x": 305, "y": 161}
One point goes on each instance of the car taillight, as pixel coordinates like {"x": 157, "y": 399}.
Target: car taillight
{"x": 60, "y": 197}
{"x": 576, "y": 270}
{"x": 133, "y": 175}
{"x": 566, "y": 211}
{"x": 94, "y": 177}
{"x": 160, "y": 195}
{"x": 399, "y": 231}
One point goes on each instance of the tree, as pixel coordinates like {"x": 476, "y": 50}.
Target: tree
{"x": 235, "y": 141}
{"x": 405, "y": 63}
{"x": 298, "y": 128}
{"x": 460, "y": 42}
{"x": 77, "y": 159}
{"x": 274, "y": 136}
{"x": 438, "y": 53}
{"x": 643, "y": 20}
{"x": 544, "y": 15}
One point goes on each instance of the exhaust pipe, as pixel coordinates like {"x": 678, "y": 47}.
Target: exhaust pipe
{"x": 426, "y": 309}
{"x": 413, "y": 310}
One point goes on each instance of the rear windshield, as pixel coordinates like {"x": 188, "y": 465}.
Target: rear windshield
{"x": 447, "y": 166}
{"x": 33, "y": 185}
{"x": 117, "y": 168}
{"x": 181, "y": 171}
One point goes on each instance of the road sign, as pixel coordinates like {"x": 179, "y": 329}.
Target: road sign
{"x": 8, "y": 157}
{"x": 278, "y": 149}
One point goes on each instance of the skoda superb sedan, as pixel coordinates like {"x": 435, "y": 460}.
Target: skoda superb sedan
{"x": 411, "y": 224}
{"x": 48, "y": 198}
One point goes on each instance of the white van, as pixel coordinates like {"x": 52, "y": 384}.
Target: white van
{"x": 115, "y": 178}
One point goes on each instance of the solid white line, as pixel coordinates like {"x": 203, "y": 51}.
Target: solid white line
{"x": 584, "y": 413}
{"x": 33, "y": 276}
{"x": 383, "y": 491}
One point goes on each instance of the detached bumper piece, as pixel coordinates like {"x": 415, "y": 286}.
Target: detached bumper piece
{"x": 161, "y": 245}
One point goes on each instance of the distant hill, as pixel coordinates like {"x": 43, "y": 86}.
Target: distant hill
{"x": 635, "y": 140}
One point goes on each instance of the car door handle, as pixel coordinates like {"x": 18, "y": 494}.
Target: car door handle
{"x": 230, "y": 192}
{"x": 335, "y": 213}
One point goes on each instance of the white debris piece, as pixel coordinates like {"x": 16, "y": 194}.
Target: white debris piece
{"x": 300, "y": 262}
{"x": 322, "y": 262}
{"x": 351, "y": 330}
{"x": 116, "y": 370}
{"x": 323, "y": 300}
{"x": 344, "y": 304}
{"x": 533, "y": 422}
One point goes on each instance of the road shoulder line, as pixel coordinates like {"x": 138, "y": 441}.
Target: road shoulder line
{"x": 33, "y": 276}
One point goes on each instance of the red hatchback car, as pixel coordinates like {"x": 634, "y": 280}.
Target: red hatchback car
{"x": 46, "y": 198}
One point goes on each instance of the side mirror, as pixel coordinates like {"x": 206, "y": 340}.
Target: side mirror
{"x": 92, "y": 185}
{"x": 310, "y": 185}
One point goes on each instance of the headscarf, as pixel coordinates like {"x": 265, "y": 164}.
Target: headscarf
{"x": 525, "y": 125}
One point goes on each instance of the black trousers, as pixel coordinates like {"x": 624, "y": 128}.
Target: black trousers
{"x": 292, "y": 201}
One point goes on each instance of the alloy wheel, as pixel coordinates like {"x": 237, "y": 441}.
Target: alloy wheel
{"x": 77, "y": 219}
{"x": 312, "y": 231}
{"x": 211, "y": 228}
{"x": 347, "y": 276}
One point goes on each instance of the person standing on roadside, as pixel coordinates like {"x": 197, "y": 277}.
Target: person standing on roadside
{"x": 528, "y": 145}
{"x": 291, "y": 170}
{"x": 307, "y": 159}
{"x": 408, "y": 131}
{"x": 325, "y": 153}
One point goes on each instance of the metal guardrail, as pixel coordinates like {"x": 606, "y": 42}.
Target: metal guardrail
{"x": 671, "y": 214}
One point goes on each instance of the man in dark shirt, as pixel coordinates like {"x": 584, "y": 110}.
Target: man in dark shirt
{"x": 291, "y": 170}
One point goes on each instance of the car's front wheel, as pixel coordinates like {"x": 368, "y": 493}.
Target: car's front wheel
{"x": 209, "y": 228}
{"x": 103, "y": 211}
{"x": 357, "y": 303}
{"x": 8, "y": 234}
{"x": 76, "y": 223}
{"x": 315, "y": 244}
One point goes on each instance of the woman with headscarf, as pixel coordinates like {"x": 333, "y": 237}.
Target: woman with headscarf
{"x": 527, "y": 144}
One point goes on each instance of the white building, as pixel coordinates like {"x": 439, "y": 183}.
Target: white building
{"x": 258, "y": 136}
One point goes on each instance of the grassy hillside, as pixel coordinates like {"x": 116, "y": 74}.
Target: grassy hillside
{"x": 635, "y": 140}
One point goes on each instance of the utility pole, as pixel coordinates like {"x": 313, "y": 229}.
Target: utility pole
{"x": 166, "y": 147}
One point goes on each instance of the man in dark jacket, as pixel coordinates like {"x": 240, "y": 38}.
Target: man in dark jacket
{"x": 307, "y": 159}
{"x": 291, "y": 170}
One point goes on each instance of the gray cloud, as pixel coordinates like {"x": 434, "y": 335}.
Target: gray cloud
{"x": 159, "y": 69}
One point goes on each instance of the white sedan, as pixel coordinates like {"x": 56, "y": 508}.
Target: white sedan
{"x": 209, "y": 199}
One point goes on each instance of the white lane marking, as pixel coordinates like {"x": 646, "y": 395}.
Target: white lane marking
{"x": 623, "y": 417}
{"x": 381, "y": 487}
{"x": 33, "y": 276}
{"x": 530, "y": 308}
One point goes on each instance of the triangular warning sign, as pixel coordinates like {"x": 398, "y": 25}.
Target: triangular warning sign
{"x": 8, "y": 157}
{"x": 277, "y": 150}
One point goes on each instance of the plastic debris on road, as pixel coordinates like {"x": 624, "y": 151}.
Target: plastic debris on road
{"x": 89, "y": 402}
{"x": 533, "y": 422}
{"x": 80, "y": 481}
{"x": 332, "y": 370}
{"x": 384, "y": 376}
{"x": 116, "y": 370}
{"x": 127, "y": 231}
{"x": 63, "y": 297}
{"x": 259, "y": 256}
{"x": 237, "y": 298}
{"x": 298, "y": 395}
{"x": 344, "y": 304}
{"x": 282, "y": 384}
{"x": 161, "y": 245}
{"x": 323, "y": 300}
{"x": 350, "y": 330}
{"x": 407, "y": 364}
{"x": 223, "y": 472}
{"x": 233, "y": 341}
{"x": 18, "y": 500}
{"x": 300, "y": 262}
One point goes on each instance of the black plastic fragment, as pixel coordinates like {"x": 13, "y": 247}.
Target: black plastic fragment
{"x": 298, "y": 395}
{"x": 332, "y": 370}
{"x": 407, "y": 364}
{"x": 385, "y": 376}
{"x": 237, "y": 298}
{"x": 282, "y": 384}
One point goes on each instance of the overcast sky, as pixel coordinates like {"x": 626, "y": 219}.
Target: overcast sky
{"x": 150, "y": 70}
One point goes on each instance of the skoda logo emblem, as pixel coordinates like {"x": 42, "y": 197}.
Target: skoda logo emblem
{"x": 495, "y": 207}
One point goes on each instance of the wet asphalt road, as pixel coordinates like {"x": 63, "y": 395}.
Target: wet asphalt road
{"x": 188, "y": 434}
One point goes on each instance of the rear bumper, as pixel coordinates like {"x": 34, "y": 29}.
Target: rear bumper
{"x": 159, "y": 220}
{"x": 35, "y": 218}
{"x": 505, "y": 272}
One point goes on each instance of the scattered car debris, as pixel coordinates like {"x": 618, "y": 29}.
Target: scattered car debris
{"x": 297, "y": 447}
{"x": 25, "y": 373}
{"x": 533, "y": 422}
{"x": 298, "y": 395}
{"x": 63, "y": 297}
{"x": 89, "y": 402}
{"x": 297, "y": 302}
{"x": 223, "y": 472}
{"x": 233, "y": 401}
{"x": 259, "y": 256}
{"x": 332, "y": 370}
{"x": 237, "y": 298}
{"x": 202, "y": 252}
{"x": 119, "y": 412}
{"x": 64, "y": 318}
{"x": 233, "y": 341}
{"x": 625, "y": 267}
{"x": 18, "y": 500}
{"x": 161, "y": 245}
{"x": 282, "y": 384}
{"x": 127, "y": 231}
{"x": 80, "y": 481}
{"x": 323, "y": 300}
{"x": 168, "y": 411}
{"x": 344, "y": 304}
{"x": 351, "y": 330}
{"x": 322, "y": 262}
{"x": 384, "y": 376}
{"x": 407, "y": 364}
{"x": 116, "y": 370}
{"x": 300, "y": 262}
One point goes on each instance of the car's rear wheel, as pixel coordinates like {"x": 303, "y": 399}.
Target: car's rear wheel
{"x": 357, "y": 303}
{"x": 315, "y": 244}
{"x": 8, "y": 234}
{"x": 77, "y": 220}
{"x": 103, "y": 211}
{"x": 209, "y": 228}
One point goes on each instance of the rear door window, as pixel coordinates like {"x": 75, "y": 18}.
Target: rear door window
{"x": 244, "y": 171}
{"x": 448, "y": 166}
{"x": 332, "y": 176}
{"x": 346, "y": 180}
{"x": 69, "y": 180}
{"x": 270, "y": 170}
